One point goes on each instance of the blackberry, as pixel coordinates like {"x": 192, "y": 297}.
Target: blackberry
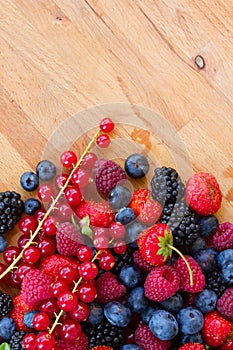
{"x": 215, "y": 282}
{"x": 105, "y": 334}
{"x": 183, "y": 223}
{"x": 166, "y": 186}
{"x": 122, "y": 260}
{"x": 6, "y": 304}
{"x": 11, "y": 209}
{"x": 16, "y": 340}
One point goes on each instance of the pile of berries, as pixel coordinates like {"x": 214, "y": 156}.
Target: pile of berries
{"x": 150, "y": 269}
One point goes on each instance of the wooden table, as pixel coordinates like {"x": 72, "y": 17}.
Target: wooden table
{"x": 58, "y": 57}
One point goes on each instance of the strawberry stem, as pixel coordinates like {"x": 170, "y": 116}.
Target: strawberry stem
{"x": 186, "y": 262}
{"x": 51, "y": 208}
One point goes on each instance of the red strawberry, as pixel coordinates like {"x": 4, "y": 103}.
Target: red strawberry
{"x": 162, "y": 283}
{"x": 108, "y": 288}
{"x": 155, "y": 244}
{"x": 215, "y": 329}
{"x": 36, "y": 287}
{"x": 147, "y": 210}
{"x": 100, "y": 214}
{"x": 141, "y": 263}
{"x": 53, "y": 264}
{"x": 223, "y": 237}
{"x": 68, "y": 239}
{"x": 203, "y": 193}
{"x": 20, "y": 308}
{"x": 146, "y": 340}
{"x": 198, "y": 277}
{"x": 79, "y": 344}
{"x": 192, "y": 346}
{"x": 227, "y": 345}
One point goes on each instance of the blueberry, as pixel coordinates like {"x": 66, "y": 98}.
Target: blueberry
{"x": 190, "y": 320}
{"x": 46, "y": 170}
{"x": 208, "y": 225}
{"x": 125, "y": 216}
{"x": 207, "y": 259}
{"x": 173, "y": 304}
{"x": 7, "y": 327}
{"x": 196, "y": 246}
{"x": 131, "y": 276}
{"x": 117, "y": 314}
{"x": 31, "y": 205}
{"x": 206, "y": 301}
{"x": 227, "y": 272}
{"x": 163, "y": 325}
{"x": 136, "y": 166}
{"x": 96, "y": 314}
{"x": 137, "y": 300}
{"x": 3, "y": 243}
{"x": 119, "y": 197}
{"x": 192, "y": 338}
{"x": 225, "y": 257}
{"x": 28, "y": 317}
{"x": 147, "y": 313}
{"x": 132, "y": 232}
{"x": 29, "y": 181}
{"x": 130, "y": 347}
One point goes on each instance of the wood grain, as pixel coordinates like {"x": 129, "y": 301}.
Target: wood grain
{"x": 59, "y": 57}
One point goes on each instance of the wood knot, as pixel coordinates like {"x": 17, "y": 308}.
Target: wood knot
{"x": 200, "y": 62}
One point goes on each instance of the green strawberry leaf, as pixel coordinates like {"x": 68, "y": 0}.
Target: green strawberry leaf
{"x": 74, "y": 222}
{"x": 5, "y": 346}
{"x": 85, "y": 221}
{"x": 165, "y": 243}
{"x": 86, "y": 230}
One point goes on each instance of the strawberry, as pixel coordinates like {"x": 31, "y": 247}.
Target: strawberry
{"x": 215, "y": 329}
{"x": 100, "y": 214}
{"x": 68, "y": 239}
{"x": 192, "y": 346}
{"x": 20, "y": 308}
{"x": 203, "y": 194}
{"x": 147, "y": 210}
{"x": 53, "y": 264}
{"x": 155, "y": 244}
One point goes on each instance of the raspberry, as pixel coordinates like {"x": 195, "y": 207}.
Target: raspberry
{"x": 223, "y": 238}
{"x": 36, "y": 287}
{"x": 192, "y": 346}
{"x": 215, "y": 329}
{"x": 142, "y": 263}
{"x": 53, "y": 264}
{"x": 68, "y": 239}
{"x": 79, "y": 344}
{"x": 108, "y": 288}
{"x": 225, "y": 303}
{"x": 146, "y": 340}
{"x": 107, "y": 175}
{"x": 162, "y": 283}
{"x": 198, "y": 277}
{"x": 203, "y": 194}
{"x": 100, "y": 214}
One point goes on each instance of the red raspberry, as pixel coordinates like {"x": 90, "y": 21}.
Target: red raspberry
{"x": 108, "y": 288}
{"x": 203, "y": 194}
{"x": 100, "y": 214}
{"x": 225, "y": 303}
{"x": 146, "y": 340}
{"x": 36, "y": 287}
{"x": 215, "y": 329}
{"x": 223, "y": 237}
{"x": 192, "y": 346}
{"x": 142, "y": 263}
{"x": 198, "y": 277}
{"x": 162, "y": 283}
{"x": 53, "y": 264}
{"x": 79, "y": 344}
{"x": 68, "y": 239}
{"x": 107, "y": 175}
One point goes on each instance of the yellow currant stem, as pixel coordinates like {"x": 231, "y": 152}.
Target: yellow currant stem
{"x": 50, "y": 209}
{"x": 186, "y": 262}
{"x": 74, "y": 290}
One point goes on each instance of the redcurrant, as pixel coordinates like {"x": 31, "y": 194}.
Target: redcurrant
{"x": 88, "y": 270}
{"x": 50, "y": 226}
{"x": 106, "y": 261}
{"x": 103, "y": 141}
{"x": 27, "y": 224}
{"x": 10, "y": 253}
{"x": 22, "y": 241}
{"x": 49, "y": 306}
{"x": 47, "y": 247}
{"x": 58, "y": 286}
{"x": 45, "y": 193}
{"x": 84, "y": 253}
{"x": 39, "y": 214}
{"x": 81, "y": 313}
{"x": 64, "y": 212}
{"x": 117, "y": 230}
{"x": 106, "y": 125}
{"x": 89, "y": 161}
{"x": 86, "y": 293}
{"x": 61, "y": 180}
{"x": 71, "y": 330}
{"x": 73, "y": 196}
{"x": 68, "y": 159}
{"x": 31, "y": 255}
{"x": 23, "y": 269}
{"x": 14, "y": 280}
{"x": 80, "y": 178}
{"x": 68, "y": 274}
{"x": 67, "y": 301}
{"x": 40, "y": 321}
{"x": 29, "y": 341}
{"x": 119, "y": 246}
{"x": 101, "y": 242}
{"x": 45, "y": 341}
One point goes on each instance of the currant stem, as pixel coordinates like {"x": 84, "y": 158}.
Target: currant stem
{"x": 51, "y": 208}
{"x": 186, "y": 262}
